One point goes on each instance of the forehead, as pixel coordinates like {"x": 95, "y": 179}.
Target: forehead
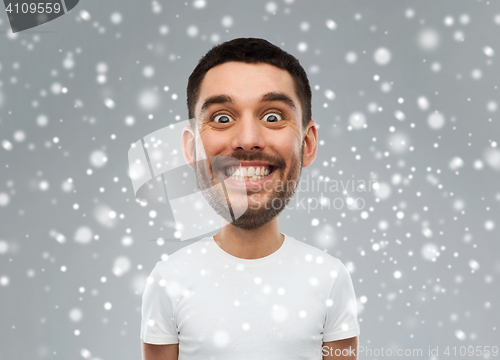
{"x": 246, "y": 82}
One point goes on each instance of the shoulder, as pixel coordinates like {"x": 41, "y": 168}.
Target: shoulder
{"x": 307, "y": 253}
{"x": 310, "y": 261}
{"x": 315, "y": 265}
{"x": 184, "y": 257}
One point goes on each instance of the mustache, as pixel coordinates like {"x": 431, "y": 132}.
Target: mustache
{"x": 221, "y": 161}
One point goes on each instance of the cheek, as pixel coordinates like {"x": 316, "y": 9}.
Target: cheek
{"x": 287, "y": 146}
{"x": 210, "y": 145}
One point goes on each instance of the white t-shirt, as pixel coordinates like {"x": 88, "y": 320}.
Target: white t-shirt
{"x": 218, "y": 306}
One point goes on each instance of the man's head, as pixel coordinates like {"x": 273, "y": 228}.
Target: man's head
{"x": 251, "y": 51}
{"x": 251, "y": 101}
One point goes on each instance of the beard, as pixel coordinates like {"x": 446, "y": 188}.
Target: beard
{"x": 262, "y": 205}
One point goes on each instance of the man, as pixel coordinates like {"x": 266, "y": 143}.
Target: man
{"x": 249, "y": 292}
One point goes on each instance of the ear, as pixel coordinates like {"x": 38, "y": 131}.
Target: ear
{"x": 188, "y": 145}
{"x": 310, "y": 144}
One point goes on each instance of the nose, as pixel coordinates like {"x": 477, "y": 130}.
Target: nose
{"x": 249, "y": 135}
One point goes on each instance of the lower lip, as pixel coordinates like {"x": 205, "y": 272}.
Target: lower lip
{"x": 249, "y": 183}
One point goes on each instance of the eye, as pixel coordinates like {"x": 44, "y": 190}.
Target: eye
{"x": 272, "y": 117}
{"x": 223, "y": 119}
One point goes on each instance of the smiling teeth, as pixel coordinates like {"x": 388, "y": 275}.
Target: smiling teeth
{"x": 249, "y": 173}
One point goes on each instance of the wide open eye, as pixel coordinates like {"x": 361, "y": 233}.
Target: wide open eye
{"x": 272, "y": 117}
{"x": 223, "y": 119}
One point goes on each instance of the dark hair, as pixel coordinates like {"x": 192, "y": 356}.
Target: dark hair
{"x": 251, "y": 51}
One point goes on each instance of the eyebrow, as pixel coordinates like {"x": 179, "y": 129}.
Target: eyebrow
{"x": 226, "y": 99}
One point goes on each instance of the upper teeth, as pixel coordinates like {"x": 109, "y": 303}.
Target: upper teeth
{"x": 249, "y": 172}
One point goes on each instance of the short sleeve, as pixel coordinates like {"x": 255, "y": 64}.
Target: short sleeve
{"x": 341, "y": 313}
{"x": 158, "y": 321}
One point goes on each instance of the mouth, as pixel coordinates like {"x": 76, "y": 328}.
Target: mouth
{"x": 248, "y": 173}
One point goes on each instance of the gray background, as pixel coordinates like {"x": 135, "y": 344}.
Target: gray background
{"x": 60, "y": 249}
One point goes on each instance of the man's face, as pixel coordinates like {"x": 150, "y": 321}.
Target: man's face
{"x": 250, "y": 112}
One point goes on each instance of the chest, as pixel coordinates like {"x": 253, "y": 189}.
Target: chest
{"x": 234, "y": 311}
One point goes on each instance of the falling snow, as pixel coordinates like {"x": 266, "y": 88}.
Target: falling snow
{"x": 406, "y": 174}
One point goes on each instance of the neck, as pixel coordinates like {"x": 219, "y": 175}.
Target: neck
{"x": 250, "y": 244}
